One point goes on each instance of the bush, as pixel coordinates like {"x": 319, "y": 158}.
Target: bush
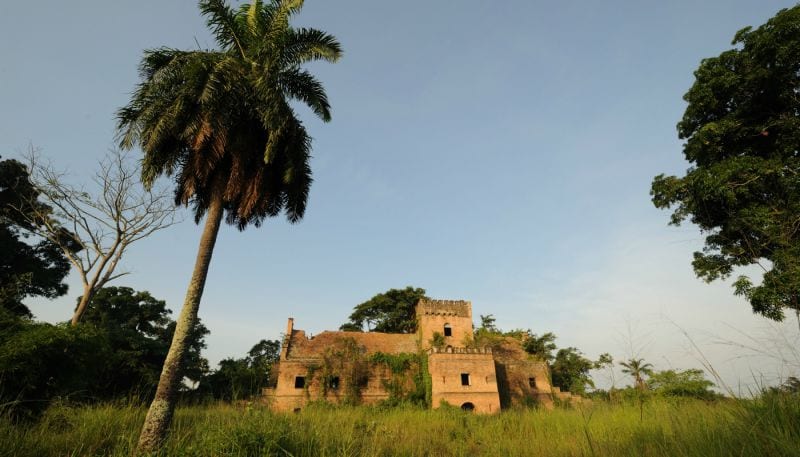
{"x": 39, "y": 362}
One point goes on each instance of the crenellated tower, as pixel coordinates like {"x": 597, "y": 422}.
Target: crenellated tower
{"x": 451, "y": 318}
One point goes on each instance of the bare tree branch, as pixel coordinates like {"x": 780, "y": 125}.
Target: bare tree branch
{"x": 94, "y": 229}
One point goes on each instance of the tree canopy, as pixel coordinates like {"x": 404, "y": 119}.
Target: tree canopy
{"x": 389, "y": 312}
{"x": 28, "y": 267}
{"x": 637, "y": 368}
{"x": 570, "y": 370}
{"x": 243, "y": 378}
{"x": 115, "y": 352}
{"x": 742, "y": 138}
{"x": 682, "y": 383}
{"x": 139, "y": 329}
{"x": 541, "y": 346}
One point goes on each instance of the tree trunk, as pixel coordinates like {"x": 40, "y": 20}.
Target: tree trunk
{"x": 159, "y": 416}
{"x": 81, "y": 308}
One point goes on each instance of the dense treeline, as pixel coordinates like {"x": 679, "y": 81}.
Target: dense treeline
{"x": 116, "y": 352}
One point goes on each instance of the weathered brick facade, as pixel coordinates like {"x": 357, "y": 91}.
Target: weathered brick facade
{"x": 366, "y": 367}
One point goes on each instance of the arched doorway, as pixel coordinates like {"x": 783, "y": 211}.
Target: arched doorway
{"x": 468, "y": 406}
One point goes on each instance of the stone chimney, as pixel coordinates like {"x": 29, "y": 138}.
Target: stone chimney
{"x": 287, "y": 338}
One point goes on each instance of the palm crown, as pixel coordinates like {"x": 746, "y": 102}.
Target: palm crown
{"x": 637, "y": 368}
{"x": 220, "y": 121}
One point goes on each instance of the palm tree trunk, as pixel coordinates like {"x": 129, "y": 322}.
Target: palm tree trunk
{"x": 159, "y": 416}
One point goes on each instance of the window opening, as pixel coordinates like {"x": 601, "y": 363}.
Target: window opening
{"x": 532, "y": 382}
{"x": 464, "y": 379}
{"x": 299, "y": 382}
{"x": 333, "y": 382}
{"x": 447, "y": 330}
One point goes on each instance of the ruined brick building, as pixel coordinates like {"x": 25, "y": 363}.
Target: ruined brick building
{"x": 440, "y": 363}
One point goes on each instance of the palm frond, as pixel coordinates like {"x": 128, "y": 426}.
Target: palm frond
{"x": 255, "y": 17}
{"x": 302, "y": 86}
{"x": 307, "y": 45}
{"x": 221, "y": 19}
{"x": 279, "y": 19}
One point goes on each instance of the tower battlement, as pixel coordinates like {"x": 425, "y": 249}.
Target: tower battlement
{"x": 459, "y": 308}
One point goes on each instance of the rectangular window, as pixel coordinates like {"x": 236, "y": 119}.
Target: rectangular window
{"x": 299, "y": 382}
{"x": 532, "y": 382}
{"x": 464, "y": 379}
{"x": 448, "y": 331}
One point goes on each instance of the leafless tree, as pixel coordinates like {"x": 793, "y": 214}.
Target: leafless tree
{"x": 94, "y": 227}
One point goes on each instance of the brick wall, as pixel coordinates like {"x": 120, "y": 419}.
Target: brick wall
{"x": 434, "y": 315}
{"x": 446, "y": 370}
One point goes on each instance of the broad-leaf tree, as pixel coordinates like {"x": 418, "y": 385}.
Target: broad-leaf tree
{"x": 570, "y": 370}
{"x": 742, "y": 138}
{"x": 392, "y": 311}
{"x": 221, "y": 122}
{"x": 682, "y": 383}
{"x": 27, "y": 268}
{"x": 243, "y": 378}
{"x": 139, "y": 330}
{"x": 115, "y": 352}
{"x": 541, "y": 346}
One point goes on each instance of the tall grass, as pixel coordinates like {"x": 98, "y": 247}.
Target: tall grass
{"x": 765, "y": 426}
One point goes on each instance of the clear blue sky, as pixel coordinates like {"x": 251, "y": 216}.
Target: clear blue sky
{"x": 499, "y": 152}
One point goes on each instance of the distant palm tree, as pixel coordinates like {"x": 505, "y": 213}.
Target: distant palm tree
{"x": 636, "y": 368}
{"x": 220, "y": 122}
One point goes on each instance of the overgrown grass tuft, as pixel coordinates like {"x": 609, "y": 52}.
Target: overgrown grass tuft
{"x": 765, "y": 426}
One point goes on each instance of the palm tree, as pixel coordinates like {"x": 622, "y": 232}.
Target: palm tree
{"x": 637, "y": 368}
{"x": 220, "y": 122}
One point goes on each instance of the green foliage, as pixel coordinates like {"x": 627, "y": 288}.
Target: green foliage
{"x": 27, "y": 268}
{"x": 685, "y": 383}
{"x": 116, "y": 352}
{"x": 517, "y": 333}
{"x": 481, "y": 338}
{"x": 637, "y": 368}
{"x": 389, "y": 312}
{"x": 426, "y": 381}
{"x": 437, "y": 341}
{"x": 40, "y": 362}
{"x": 403, "y": 366}
{"x": 488, "y": 335}
{"x": 236, "y": 379}
{"x": 570, "y": 370}
{"x": 488, "y": 323}
{"x": 346, "y": 360}
{"x": 398, "y": 363}
{"x": 605, "y": 360}
{"x": 541, "y": 346}
{"x": 139, "y": 332}
{"x": 743, "y": 186}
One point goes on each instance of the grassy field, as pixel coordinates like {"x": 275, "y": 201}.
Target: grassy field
{"x": 769, "y": 426}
